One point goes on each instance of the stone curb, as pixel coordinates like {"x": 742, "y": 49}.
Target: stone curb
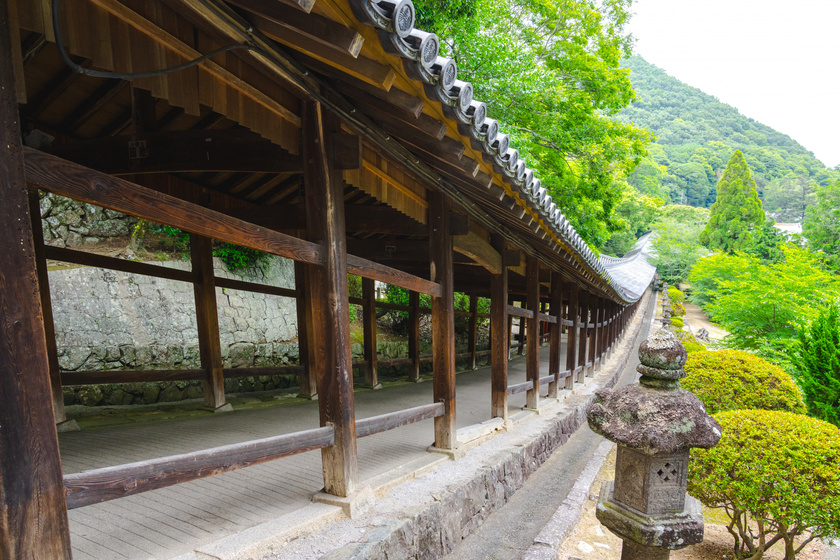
{"x": 567, "y": 515}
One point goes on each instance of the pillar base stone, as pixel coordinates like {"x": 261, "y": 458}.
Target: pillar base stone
{"x": 355, "y": 505}
{"x": 67, "y": 426}
{"x": 224, "y": 408}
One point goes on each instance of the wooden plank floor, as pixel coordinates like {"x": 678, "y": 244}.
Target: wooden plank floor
{"x": 172, "y": 521}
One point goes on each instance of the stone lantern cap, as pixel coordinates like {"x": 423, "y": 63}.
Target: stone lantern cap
{"x": 655, "y": 416}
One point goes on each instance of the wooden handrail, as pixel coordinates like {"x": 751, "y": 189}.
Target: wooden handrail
{"x": 520, "y": 387}
{"x": 391, "y": 420}
{"x": 109, "y": 483}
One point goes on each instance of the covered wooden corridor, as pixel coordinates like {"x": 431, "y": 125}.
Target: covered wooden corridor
{"x": 331, "y": 133}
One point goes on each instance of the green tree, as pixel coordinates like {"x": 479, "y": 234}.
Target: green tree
{"x": 676, "y": 244}
{"x": 822, "y": 224}
{"x": 777, "y": 476}
{"x": 638, "y": 212}
{"x": 817, "y": 360}
{"x": 761, "y": 304}
{"x": 766, "y": 242}
{"x": 550, "y": 73}
{"x": 737, "y": 212}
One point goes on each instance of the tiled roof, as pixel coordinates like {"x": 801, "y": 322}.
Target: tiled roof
{"x": 420, "y": 51}
{"x": 633, "y": 272}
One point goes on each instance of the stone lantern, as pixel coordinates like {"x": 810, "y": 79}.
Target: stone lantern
{"x": 654, "y": 423}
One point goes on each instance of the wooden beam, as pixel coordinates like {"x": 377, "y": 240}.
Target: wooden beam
{"x": 369, "y": 324}
{"x": 330, "y": 313}
{"x": 376, "y": 271}
{"x": 532, "y": 367}
{"x": 183, "y": 151}
{"x": 394, "y": 96}
{"x": 33, "y": 515}
{"x": 207, "y": 321}
{"x": 109, "y": 483}
{"x": 292, "y": 22}
{"x": 443, "y": 319}
{"x": 476, "y": 248}
{"x": 365, "y": 69}
{"x": 46, "y": 306}
{"x": 406, "y": 114}
{"x": 499, "y": 333}
{"x": 58, "y": 176}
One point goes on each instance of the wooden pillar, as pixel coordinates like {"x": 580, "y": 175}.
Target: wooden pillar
{"x": 510, "y": 332}
{"x": 207, "y": 321}
{"x": 414, "y": 336}
{"x": 369, "y": 320}
{"x": 499, "y": 337}
{"x": 33, "y": 509}
{"x": 532, "y": 368}
{"x": 583, "y": 310}
{"x": 330, "y": 311}
{"x": 594, "y": 309}
{"x": 473, "y": 333}
{"x": 443, "y": 319}
{"x": 571, "y": 338}
{"x": 46, "y": 306}
{"x": 303, "y": 304}
{"x": 555, "y": 308}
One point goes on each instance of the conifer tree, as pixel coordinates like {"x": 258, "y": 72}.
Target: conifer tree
{"x": 737, "y": 212}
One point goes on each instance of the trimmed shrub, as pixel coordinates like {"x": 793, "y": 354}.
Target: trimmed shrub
{"x": 678, "y": 308}
{"x": 675, "y": 295}
{"x": 691, "y": 342}
{"x": 677, "y": 322}
{"x": 776, "y": 474}
{"x": 817, "y": 360}
{"x": 731, "y": 380}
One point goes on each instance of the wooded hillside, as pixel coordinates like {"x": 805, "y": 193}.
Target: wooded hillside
{"x": 694, "y": 136}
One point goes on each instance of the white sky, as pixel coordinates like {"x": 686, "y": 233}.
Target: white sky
{"x": 776, "y": 61}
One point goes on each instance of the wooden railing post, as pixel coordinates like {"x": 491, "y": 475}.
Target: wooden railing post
{"x": 533, "y": 326}
{"x": 330, "y": 312}
{"x": 443, "y": 319}
{"x": 555, "y": 308}
{"x": 583, "y": 312}
{"x": 306, "y": 356}
{"x": 499, "y": 336}
{"x": 571, "y": 338}
{"x": 207, "y": 322}
{"x": 473, "y": 333}
{"x": 33, "y": 509}
{"x": 369, "y": 320}
{"x": 414, "y": 336}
